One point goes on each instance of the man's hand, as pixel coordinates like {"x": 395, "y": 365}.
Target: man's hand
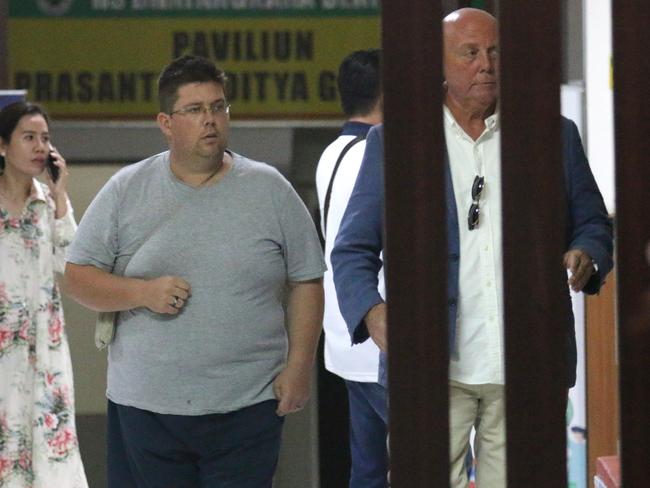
{"x": 305, "y": 316}
{"x": 167, "y": 294}
{"x": 581, "y": 268}
{"x": 291, "y": 388}
{"x": 375, "y": 321}
{"x": 103, "y": 291}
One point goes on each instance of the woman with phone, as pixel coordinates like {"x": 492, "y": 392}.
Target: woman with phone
{"x": 38, "y": 438}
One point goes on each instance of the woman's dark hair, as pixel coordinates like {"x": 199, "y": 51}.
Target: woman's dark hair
{"x": 10, "y": 117}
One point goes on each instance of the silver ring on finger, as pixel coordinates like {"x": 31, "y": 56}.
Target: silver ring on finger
{"x": 175, "y": 302}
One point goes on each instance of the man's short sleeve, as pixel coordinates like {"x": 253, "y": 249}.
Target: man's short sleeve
{"x": 95, "y": 242}
{"x": 302, "y": 249}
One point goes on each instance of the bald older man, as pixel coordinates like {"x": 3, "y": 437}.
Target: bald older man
{"x": 474, "y": 237}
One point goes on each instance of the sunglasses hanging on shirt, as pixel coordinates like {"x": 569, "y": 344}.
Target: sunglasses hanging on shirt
{"x": 474, "y": 209}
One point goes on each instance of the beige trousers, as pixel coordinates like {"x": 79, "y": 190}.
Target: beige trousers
{"x": 482, "y": 407}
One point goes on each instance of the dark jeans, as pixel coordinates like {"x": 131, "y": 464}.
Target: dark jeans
{"x": 232, "y": 450}
{"x": 368, "y": 430}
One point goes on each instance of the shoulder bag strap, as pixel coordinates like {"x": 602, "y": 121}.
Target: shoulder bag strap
{"x": 328, "y": 195}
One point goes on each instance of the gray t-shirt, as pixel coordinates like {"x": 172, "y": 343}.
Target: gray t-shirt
{"x": 237, "y": 243}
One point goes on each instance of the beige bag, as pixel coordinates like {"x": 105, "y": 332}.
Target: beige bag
{"x": 105, "y": 329}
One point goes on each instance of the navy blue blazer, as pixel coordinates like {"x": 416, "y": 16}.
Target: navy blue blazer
{"x": 356, "y": 253}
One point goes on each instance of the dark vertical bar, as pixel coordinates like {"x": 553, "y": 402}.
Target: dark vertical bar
{"x": 4, "y": 39}
{"x": 632, "y": 139}
{"x": 449, "y": 6}
{"x": 416, "y": 250}
{"x": 333, "y": 426}
{"x": 488, "y": 5}
{"x": 535, "y": 297}
{"x": 492, "y": 6}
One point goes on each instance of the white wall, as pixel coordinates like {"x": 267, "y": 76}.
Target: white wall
{"x": 599, "y": 95}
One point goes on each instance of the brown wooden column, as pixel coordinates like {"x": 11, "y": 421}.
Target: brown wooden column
{"x": 602, "y": 375}
{"x": 416, "y": 251}
{"x": 533, "y": 242}
{"x": 631, "y": 37}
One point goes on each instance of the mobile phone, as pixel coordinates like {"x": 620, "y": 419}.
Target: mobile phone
{"x": 52, "y": 168}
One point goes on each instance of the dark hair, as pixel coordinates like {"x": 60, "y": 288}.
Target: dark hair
{"x": 10, "y": 118}
{"x": 359, "y": 82}
{"x": 184, "y": 70}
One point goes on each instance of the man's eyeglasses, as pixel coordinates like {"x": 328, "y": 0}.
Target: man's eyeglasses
{"x": 474, "y": 210}
{"x": 218, "y": 108}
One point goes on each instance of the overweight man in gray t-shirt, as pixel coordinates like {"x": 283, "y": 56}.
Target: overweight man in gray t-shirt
{"x": 199, "y": 250}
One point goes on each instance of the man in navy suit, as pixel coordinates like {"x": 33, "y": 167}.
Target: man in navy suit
{"x": 474, "y": 235}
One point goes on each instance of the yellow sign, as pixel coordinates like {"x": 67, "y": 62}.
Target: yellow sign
{"x": 279, "y": 67}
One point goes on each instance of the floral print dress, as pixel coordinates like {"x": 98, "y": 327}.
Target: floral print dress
{"x": 38, "y": 438}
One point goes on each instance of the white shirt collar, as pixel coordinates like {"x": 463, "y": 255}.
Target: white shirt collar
{"x": 37, "y": 192}
{"x": 491, "y": 123}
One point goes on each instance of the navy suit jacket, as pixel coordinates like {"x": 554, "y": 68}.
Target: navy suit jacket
{"x": 356, "y": 253}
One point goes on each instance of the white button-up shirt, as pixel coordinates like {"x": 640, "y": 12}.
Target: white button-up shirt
{"x": 479, "y": 325}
